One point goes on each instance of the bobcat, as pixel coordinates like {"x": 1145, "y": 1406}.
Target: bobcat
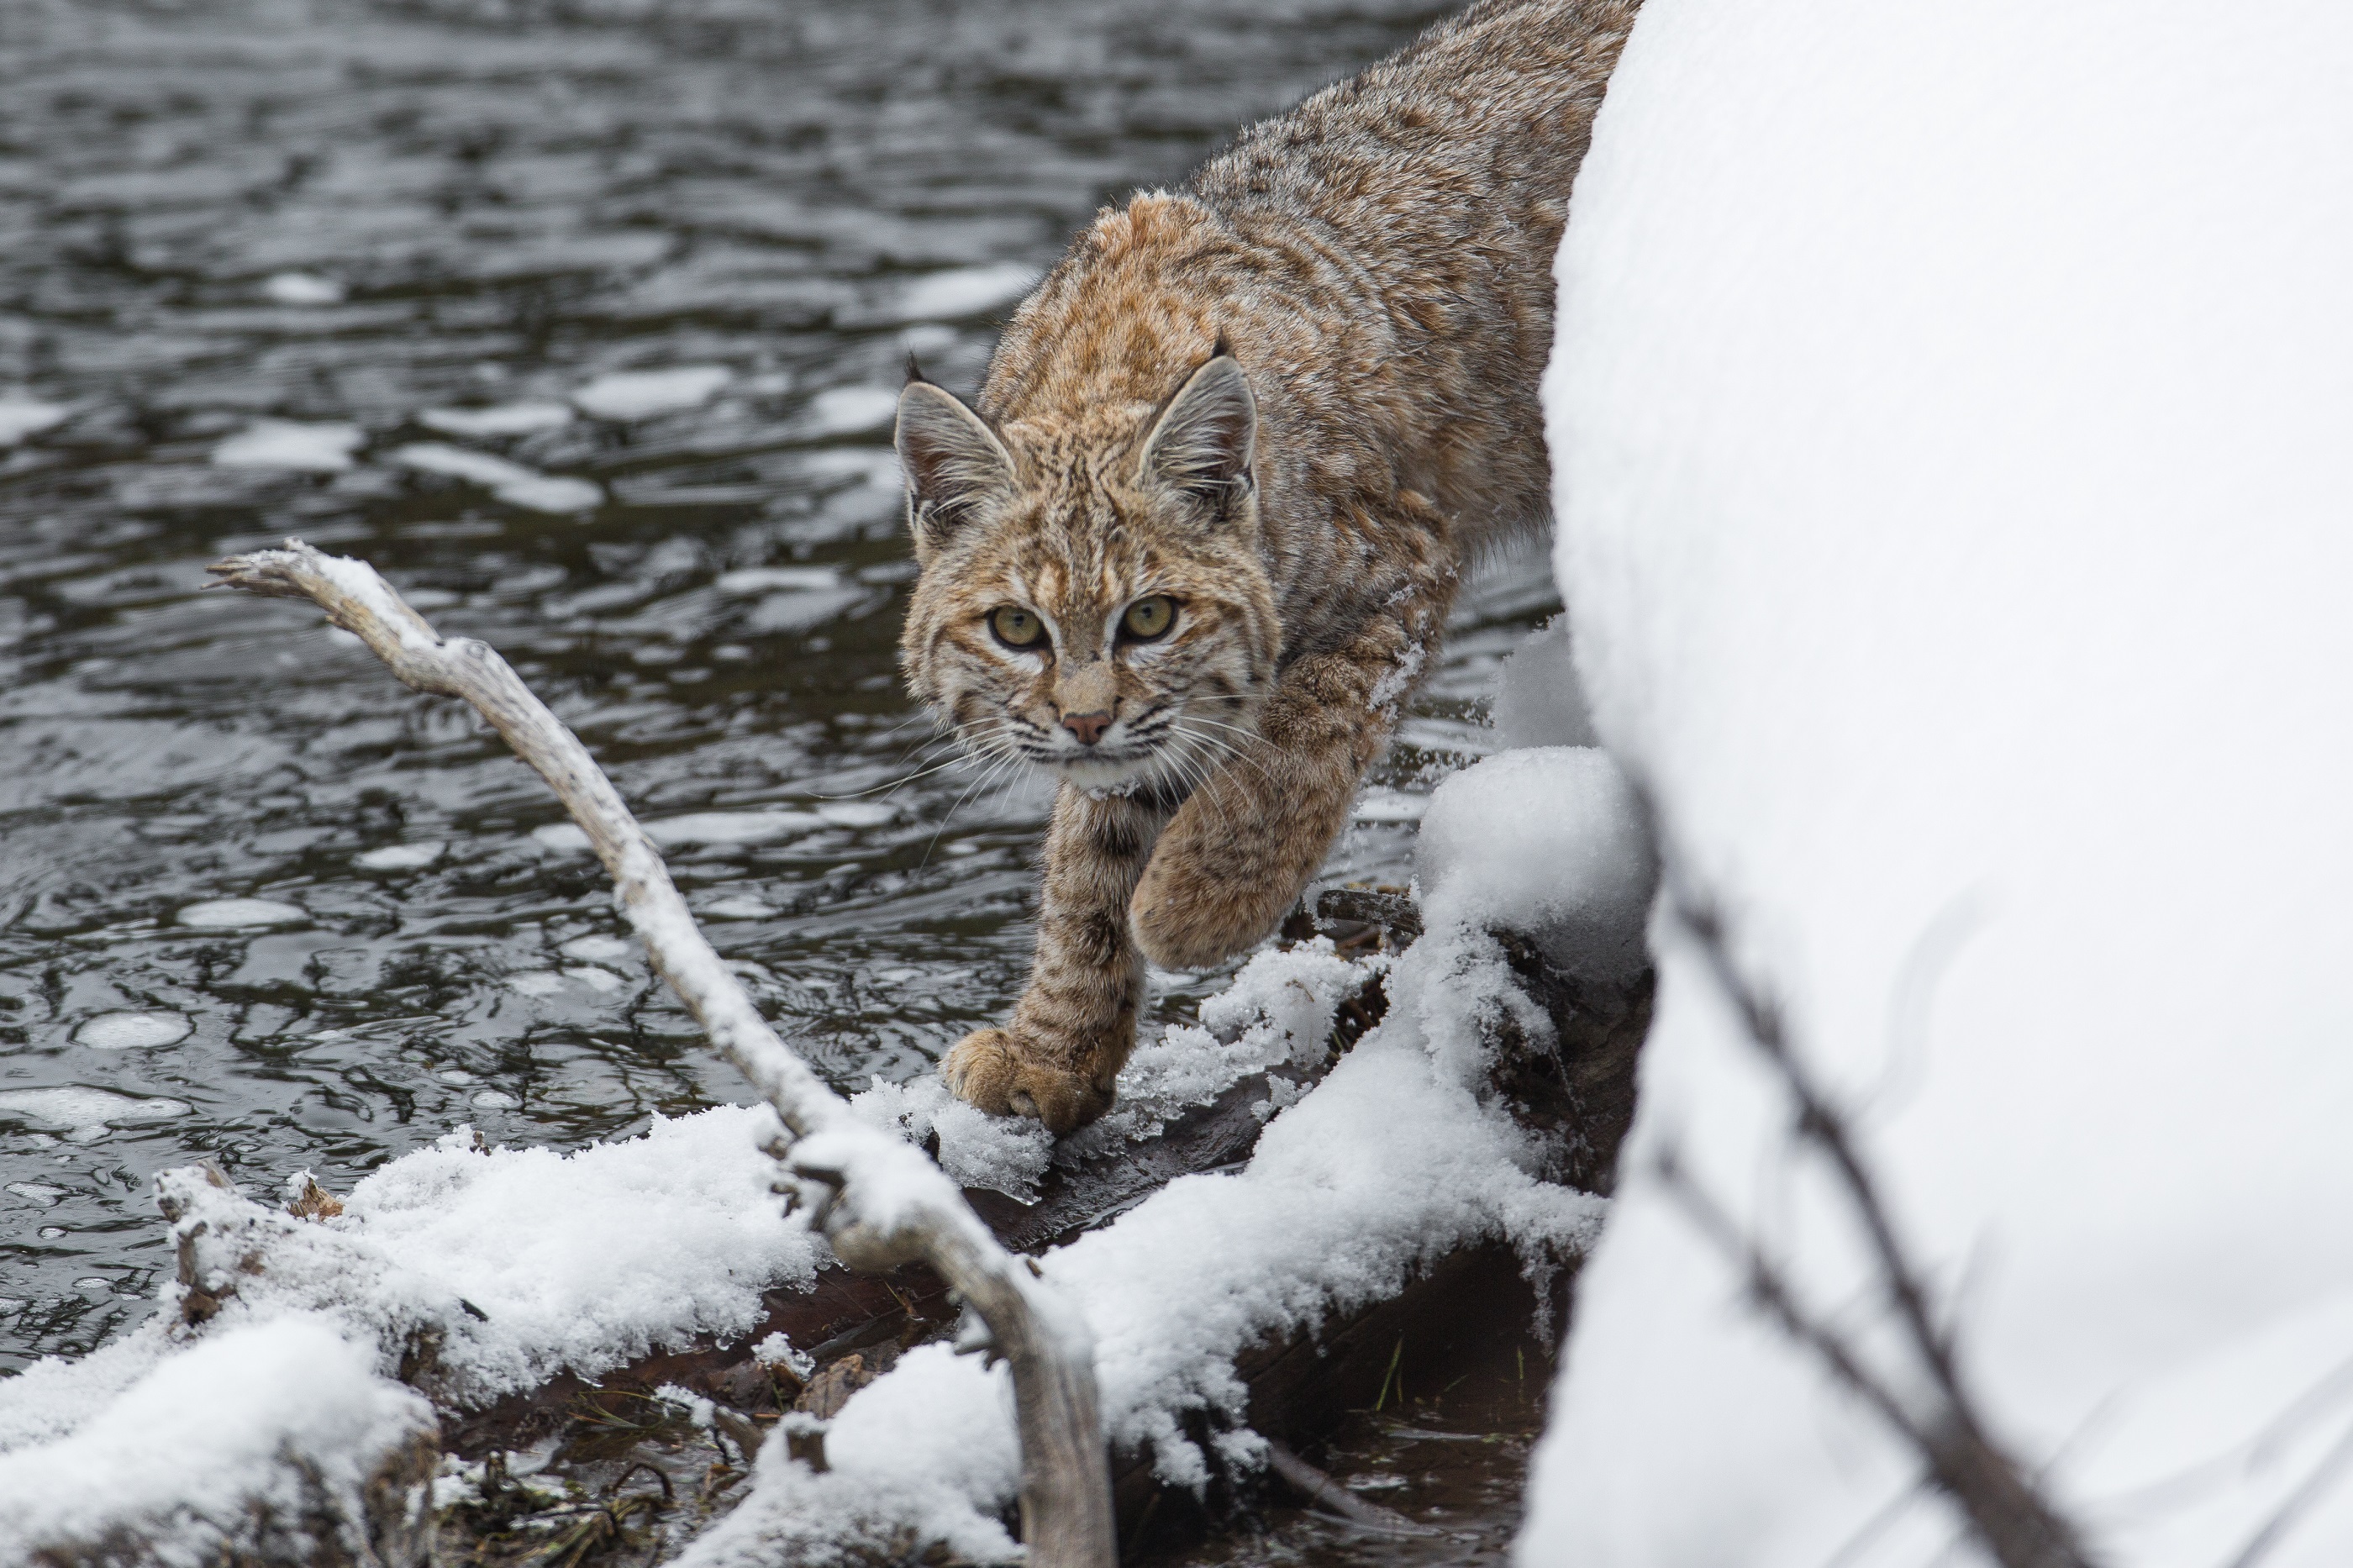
{"x": 1197, "y": 539}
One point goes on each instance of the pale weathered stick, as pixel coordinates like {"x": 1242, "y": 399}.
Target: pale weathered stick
{"x": 884, "y": 1203}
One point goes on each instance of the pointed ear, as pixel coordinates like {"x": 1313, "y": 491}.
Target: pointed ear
{"x": 1206, "y": 437}
{"x": 954, "y": 464}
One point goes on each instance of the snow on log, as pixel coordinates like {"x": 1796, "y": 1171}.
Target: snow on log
{"x": 1949, "y": 420}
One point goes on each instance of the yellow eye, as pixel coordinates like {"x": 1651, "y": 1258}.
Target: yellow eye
{"x": 1147, "y": 618}
{"x": 1017, "y": 627}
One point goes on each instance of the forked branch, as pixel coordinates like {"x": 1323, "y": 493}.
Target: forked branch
{"x": 879, "y": 1201}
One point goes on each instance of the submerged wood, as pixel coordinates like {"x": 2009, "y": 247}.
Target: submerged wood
{"x": 880, "y": 1203}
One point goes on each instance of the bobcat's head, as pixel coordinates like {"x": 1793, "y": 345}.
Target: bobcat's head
{"x": 1092, "y": 598}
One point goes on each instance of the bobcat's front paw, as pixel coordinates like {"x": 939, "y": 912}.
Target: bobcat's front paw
{"x": 1005, "y": 1076}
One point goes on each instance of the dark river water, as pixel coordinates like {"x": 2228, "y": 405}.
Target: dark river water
{"x": 391, "y": 277}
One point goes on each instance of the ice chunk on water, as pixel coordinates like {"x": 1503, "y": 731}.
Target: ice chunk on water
{"x": 732, "y": 826}
{"x": 763, "y": 579}
{"x": 295, "y": 447}
{"x": 641, "y": 393}
{"x": 215, "y": 914}
{"x": 510, "y": 482}
{"x": 303, "y": 288}
{"x": 963, "y": 292}
{"x": 86, "y": 1113}
{"x": 403, "y": 857}
{"x": 503, "y": 419}
{"x": 24, "y": 417}
{"x": 564, "y": 836}
{"x": 852, "y": 410}
{"x": 132, "y": 1031}
{"x": 858, "y": 813}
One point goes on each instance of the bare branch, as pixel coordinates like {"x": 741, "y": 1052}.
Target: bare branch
{"x": 881, "y": 1202}
{"x": 2019, "y": 1525}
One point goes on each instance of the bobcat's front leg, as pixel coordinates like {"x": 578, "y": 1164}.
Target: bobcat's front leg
{"x": 1071, "y": 1032}
{"x": 1237, "y": 854}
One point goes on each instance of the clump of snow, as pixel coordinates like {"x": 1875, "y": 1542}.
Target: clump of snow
{"x": 510, "y": 482}
{"x": 88, "y": 1113}
{"x": 1949, "y": 435}
{"x": 403, "y": 857}
{"x": 642, "y": 394}
{"x": 1003, "y": 1153}
{"x": 282, "y": 1416}
{"x": 1540, "y": 699}
{"x": 303, "y": 288}
{"x": 1551, "y": 842}
{"x": 500, "y": 419}
{"x": 293, "y": 445}
{"x": 221, "y": 914}
{"x": 22, "y": 417}
{"x": 523, "y": 1262}
{"x": 132, "y": 1031}
{"x": 1389, "y": 1163}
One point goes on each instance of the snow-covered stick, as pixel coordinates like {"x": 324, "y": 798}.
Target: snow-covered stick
{"x": 880, "y": 1200}
{"x": 1946, "y": 1424}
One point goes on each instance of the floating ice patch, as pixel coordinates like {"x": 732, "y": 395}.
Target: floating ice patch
{"x": 303, "y": 288}
{"x": 132, "y": 1031}
{"x": 965, "y": 292}
{"x": 24, "y": 417}
{"x": 494, "y": 1100}
{"x": 765, "y": 579}
{"x": 738, "y": 907}
{"x": 641, "y": 393}
{"x": 40, "y": 1193}
{"x": 783, "y": 612}
{"x": 292, "y": 445}
{"x": 599, "y": 980}
{"x": 402, "y": 856}
{"x": 536, "y": 982}
{"x": 503, "y": 419}
{"x": 732, "y": 826}
{"x": 858, "y": 813}
{"x": 599, "y": 949}
{"x": 86, "y": 1113}
{"x": 1380, "y": 805}
{"x": 510, "y": 482}
{"x": 221, "y": 914}
{"x": 851, "y": 410}
{"x": 561, "y": 836}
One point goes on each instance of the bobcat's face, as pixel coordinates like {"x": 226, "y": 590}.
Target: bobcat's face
{"x": 1093, "y": 600}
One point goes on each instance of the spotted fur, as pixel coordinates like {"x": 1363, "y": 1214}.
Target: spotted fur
{"x": 1292, "y": 397}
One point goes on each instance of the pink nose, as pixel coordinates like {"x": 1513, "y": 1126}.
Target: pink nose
{"x": 1087, "y": 727}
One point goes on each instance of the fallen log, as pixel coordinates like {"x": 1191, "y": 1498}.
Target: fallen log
{"x": 1573, "y": 1091}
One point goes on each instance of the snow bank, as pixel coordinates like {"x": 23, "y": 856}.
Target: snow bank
{"x": 1389, "y": 1163}
{"x": 196, "y": 1455}
{"x": 1948, "y": 417}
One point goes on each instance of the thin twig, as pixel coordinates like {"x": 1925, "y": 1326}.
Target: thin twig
{"x": 879, "y": 1202}
{"x": 2019, "y": 1525}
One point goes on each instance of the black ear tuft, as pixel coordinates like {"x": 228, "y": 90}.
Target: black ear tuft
{"x": 915, "y": 370}
{"x": 1206, "y": 437}
{"x": 1224, "y": 348}
{"x": 954, "y": 465}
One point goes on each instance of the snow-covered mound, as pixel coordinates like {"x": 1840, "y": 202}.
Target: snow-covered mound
{"x": 1952, "y": 419}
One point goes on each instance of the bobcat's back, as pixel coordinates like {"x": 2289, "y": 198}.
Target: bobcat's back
{"x": 1379, "y": 261}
